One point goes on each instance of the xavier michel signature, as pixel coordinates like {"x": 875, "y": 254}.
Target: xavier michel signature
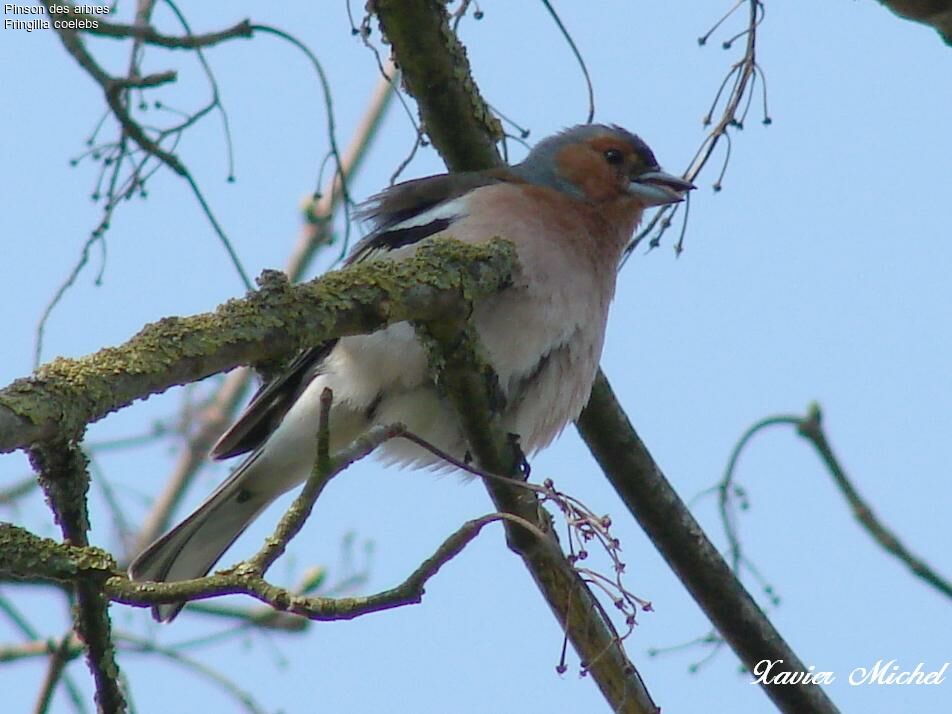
{"x": 770, "y": 671}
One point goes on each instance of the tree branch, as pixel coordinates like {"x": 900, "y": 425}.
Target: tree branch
{"x": 811, "y": 429}
{"x": 96, "y": 25}
{"x": 437, "y": 74}
{"x": 63, "y": 475}
{"x": 65, "y": 395}
{"x": 684, "y": 545}
{"x": 463, "y": 378}
{"x": 113, "y": 90}
{"x": 90, "y": 570}
{"x": 23, "y": 553}
{"x": 60, "y": 655}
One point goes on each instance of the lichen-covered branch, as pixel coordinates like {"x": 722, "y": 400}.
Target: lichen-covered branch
{"x": 65, "y": 395}
{"x": 93, "y": 572}
{"x": 63, "y": 475}
{"x": 28, "y": 556}
{"x": 464, "y": 379}
{"x": 22, "y": 552}
{"x": 437, "y": 74}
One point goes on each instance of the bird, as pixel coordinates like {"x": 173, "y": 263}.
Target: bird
{"x": 569, "y": 208}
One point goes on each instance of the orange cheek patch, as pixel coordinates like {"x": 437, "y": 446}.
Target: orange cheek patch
{"x": 584, "y": 166}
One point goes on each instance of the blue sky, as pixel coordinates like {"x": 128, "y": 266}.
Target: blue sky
{"x": 820, "y": 272}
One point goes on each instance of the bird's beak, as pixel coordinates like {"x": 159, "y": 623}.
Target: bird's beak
{"x": 656, "y": 188}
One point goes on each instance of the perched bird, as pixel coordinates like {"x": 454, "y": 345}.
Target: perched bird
{"x": 569, "y": 208}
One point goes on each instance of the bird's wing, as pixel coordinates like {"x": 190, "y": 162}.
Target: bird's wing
{"x": 411, "y": 211}
{"x": 403, "y": 214}
{"x": 268, "y": 407}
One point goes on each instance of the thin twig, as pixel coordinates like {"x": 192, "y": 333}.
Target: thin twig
{"x": 293, "y": 519}
{"x": 194, "y": 665}
{"x": 62, "y": 653}
{"x": 743, "y": 73}
{"x": 811, "y": 429}
{"x": 117, "y": 154}
{"x": 578, "y": 58}
{"x": 12, "y": 494}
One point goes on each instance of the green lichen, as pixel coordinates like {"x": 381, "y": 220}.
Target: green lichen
{"x": 26, "y": 555}
{"x": 67, "y": 394}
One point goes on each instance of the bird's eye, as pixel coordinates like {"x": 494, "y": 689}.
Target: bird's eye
{"x": 614, "y": 157}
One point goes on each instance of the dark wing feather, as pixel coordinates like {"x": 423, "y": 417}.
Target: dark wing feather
{"x": 268, "y": 407}
{"x": 389, "y": 210}
{"x": 393, "y": 238}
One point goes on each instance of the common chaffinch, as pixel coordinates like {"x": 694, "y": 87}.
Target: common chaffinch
{"x": 569, "y": 209}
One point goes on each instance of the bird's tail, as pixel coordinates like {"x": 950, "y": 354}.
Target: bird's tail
{"x": 191, "y": 548}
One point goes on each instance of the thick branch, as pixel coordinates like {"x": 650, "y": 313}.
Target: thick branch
{"x": 66, "y": 394}
{"x": 28, "y": 556}
{"x": 437, "y": 74}
{"x": 671, "y": 527}
{"x": 463, "y": 378}
{"x": 63, "y": 474}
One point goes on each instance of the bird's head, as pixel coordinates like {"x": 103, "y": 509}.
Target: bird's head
{"x": 601, "y": 164}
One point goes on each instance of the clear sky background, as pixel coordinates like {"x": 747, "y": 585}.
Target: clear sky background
{"x": 820, "y": 272}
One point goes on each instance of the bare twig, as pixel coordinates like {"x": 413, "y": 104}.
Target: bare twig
{"x": 810, "y": 427}
{"x": 194, "y": 665}
{"x": 583, "y": 526}
{"x": 11, "y": 494}
{"x": 119, "y": 154}
{"x": 30, "y": 649}
{"x": 578, "y": 58}
{"x": 243, "y": 580}
{"x": 29, "y": 555}
{"x": 96, "y": 25}
{"x": 112, "y": 89}
{"x": 293, "y": 520}
{"x": 61, "y": 654}
{"x": 148, "y": 35}
{"x": 740, "y": 78}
